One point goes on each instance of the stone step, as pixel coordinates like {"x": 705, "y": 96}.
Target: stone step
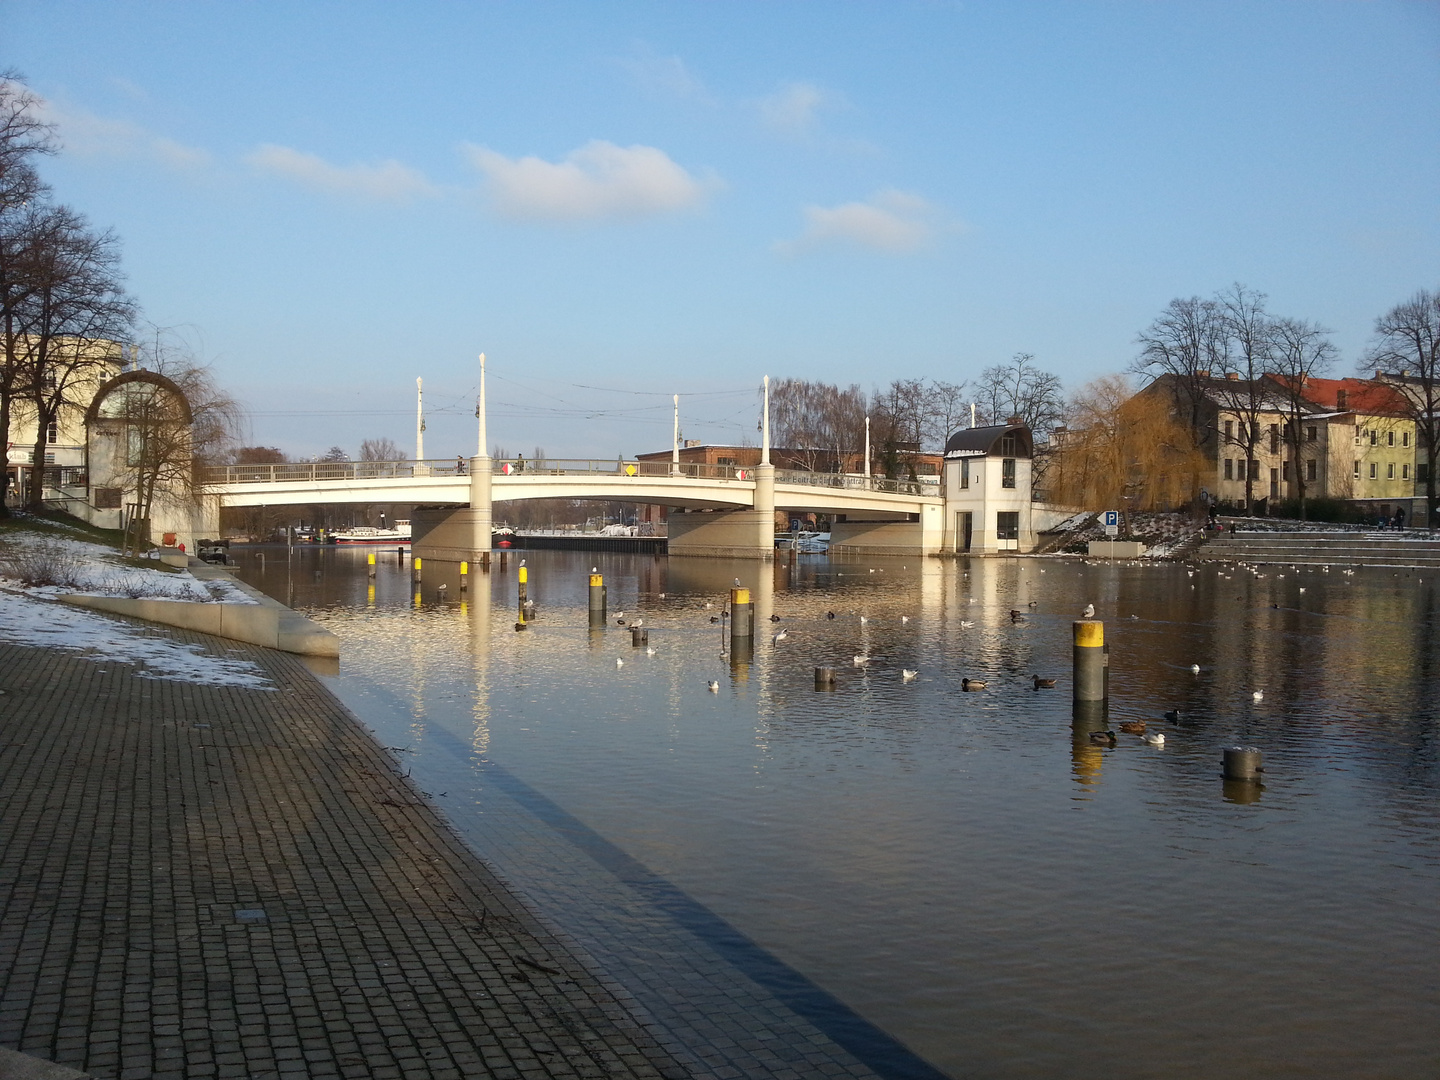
{"x": 1314, "y": 549}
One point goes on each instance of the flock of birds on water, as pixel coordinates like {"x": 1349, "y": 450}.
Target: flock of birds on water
{"x": 1138, "y": 728}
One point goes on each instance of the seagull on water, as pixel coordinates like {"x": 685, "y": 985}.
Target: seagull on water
{"x": 1195, "y": 669}
{"x": 781, "y": 636}
{"x": 1156, "y": 739}
{"x": 861, "y": 661}
{"x": 907, "y": 674}
{"x": 619, "y": 662}
{"x": 1259, "y": 695}
{"x": 713, "y": 686}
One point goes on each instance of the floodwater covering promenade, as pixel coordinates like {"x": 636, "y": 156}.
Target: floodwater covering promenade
{"x": 762, "y": 865}
{"x": 237, "y": 881}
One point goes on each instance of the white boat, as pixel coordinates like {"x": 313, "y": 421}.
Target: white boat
{"x": 807, "y": 543}
{"x": 367, "y": 534}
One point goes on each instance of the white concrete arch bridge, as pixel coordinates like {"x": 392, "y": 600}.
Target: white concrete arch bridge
{"x": 714, "y": 510}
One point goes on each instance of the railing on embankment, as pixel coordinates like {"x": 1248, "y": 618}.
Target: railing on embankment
{"x": 1316, "y": 548}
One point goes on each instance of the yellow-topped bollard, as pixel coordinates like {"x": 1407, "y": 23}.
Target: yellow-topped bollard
{"x": 597, "y": 599}
{"x": 415, "y": 568}
{"x": 742, "y": 624}
{"x": 464, "y": 575}
{"x": 370, "y": 563}
{"x": 1090, "y": 658}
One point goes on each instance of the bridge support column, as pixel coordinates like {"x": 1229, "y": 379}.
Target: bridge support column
{"x": 461, "y": 534}
{"x": 765, "y": 508}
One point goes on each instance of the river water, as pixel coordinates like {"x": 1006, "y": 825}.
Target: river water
{"x": 900, "y": 873}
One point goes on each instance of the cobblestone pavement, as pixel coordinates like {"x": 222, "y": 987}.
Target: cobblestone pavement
{"x": 201, "y": 881}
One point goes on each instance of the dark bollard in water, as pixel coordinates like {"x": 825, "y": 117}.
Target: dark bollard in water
{"x": 1243, "y": 792}
{"x": 824, "y": 678}
{"x": 1242, "y": 763}
{"x": 1090, "y": 662}
{"x": 639, "y": 636}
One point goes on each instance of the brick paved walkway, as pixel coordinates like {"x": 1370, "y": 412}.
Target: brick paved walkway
{"x": 204, "y": 881}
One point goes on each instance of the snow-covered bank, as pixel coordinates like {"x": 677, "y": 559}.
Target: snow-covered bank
{"x": 44, "y": 565}
{"x": 36, "y": 569}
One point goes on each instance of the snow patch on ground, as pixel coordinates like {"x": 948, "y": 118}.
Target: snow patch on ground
{"x": 93, "y": 569}
{"x": 28, "y": 620}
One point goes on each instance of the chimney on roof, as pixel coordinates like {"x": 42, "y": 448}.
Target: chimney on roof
{"x": 1233, "y": 376}
{"x": 1204, "y": 373}
{"x": 1379, "y": 374}
{"x": 1342, "y": 399}
{"x": 1014, "y": 421}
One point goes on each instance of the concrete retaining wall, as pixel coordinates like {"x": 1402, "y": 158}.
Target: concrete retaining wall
{"x": 732, "y": 534}
{"x": 266, "y": 622}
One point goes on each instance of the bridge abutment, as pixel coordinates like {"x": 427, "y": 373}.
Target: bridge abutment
{"x": 721, "y": 534}
{"x": 456, "y": 534}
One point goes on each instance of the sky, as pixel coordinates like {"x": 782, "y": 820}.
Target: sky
{"x": 618, "y": 202}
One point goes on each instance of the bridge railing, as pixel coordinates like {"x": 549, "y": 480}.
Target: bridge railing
{"x": 925, "y": 485}
{"x": 321, "y": 471}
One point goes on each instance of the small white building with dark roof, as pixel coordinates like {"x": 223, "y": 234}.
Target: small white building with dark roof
{"x": 987, "y": 482}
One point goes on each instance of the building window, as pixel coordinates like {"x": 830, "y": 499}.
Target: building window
{"x": 1274, "y": 438}
{"x": 1285, "y": 471}
{"x": 964, "y": 473}
{"x": 1229, "y": 469}
{"x": 1405, "y": 472}
{"x": 1310, "y": 469}
{"x": 1422, "y": 471}
{"x": 1007, "y": 525}
{"x": 1254, "y": 469}
{"x": 725, "y": 461}
{"x": 1359, "y": 435}
{"x": 1229, "y": 430}
{"x": 1312, "y": 433}
{"x": 1007, "y": 472}
{"x": 1390, "y": 438}
{"x": 1405, "y": 438}
{"x": 107, "y": 498}
{"x": 1009, "y": 444}
{"x": 52, "y": 432}
{"x": 1374, "y": 471}
{"x": 1374, "y": 437}
{"x": 1274, "y": 483}
{"x": 1357, "y": 470}
{"x": 1390, "y": 471}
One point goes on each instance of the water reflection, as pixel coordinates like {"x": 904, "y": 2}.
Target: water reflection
{"x": 922, "y": 852}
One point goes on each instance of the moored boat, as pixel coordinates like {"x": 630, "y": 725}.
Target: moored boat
{"x": 368, "y": 534}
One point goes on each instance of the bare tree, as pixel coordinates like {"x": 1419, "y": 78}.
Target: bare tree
{"x": 1187, "y": 342}
{"x": 1298, "y": 350}
{"x": 1246, "y": 354}
{"x": 822, "y": 423}
{"x": 335, "y": 454}
{"x": 946, "y": 410}
{"x": 1021, "y": 389}
{"x": 172, "y": 436}
{"x": 1406, "y": 342}
{"x": 76, "y": 311}
{"x": 23, "y": 136}
{"x": 382, "y": 449}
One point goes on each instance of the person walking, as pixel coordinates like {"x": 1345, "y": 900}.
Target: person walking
{"x": 459, "y": 465}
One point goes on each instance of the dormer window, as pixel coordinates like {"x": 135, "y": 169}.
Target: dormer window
{"x": 1342, "y": 399}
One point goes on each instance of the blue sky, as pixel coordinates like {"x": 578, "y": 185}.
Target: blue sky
{"x": 654, "y": 198}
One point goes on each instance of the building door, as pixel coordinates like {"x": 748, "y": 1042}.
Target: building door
{"x": 964, "y": 530}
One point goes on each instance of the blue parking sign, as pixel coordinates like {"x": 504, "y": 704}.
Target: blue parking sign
{"x": 1112, "y": 517}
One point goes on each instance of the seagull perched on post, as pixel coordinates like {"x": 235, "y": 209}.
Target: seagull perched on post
{"x": 1089, "y": 611}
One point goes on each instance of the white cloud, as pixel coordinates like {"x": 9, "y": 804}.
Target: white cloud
{"x": 667, "y": 75}
{"x": 389, "y": 181}
{"x": 84, "y": 133}
{"x": 599, "y": 180}
{"x": 894, "y": 222}
{"x": 792, "y": 108}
